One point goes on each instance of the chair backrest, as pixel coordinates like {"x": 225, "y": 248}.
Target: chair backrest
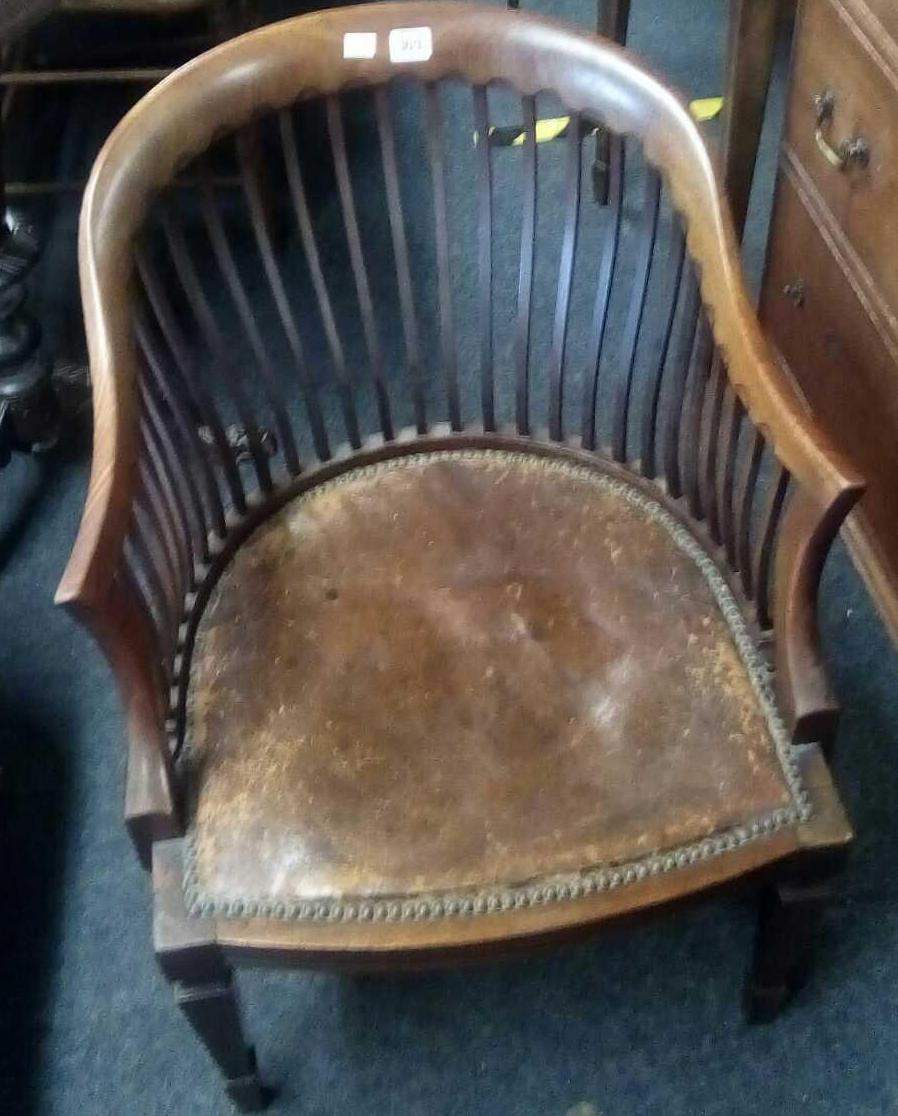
{"x": 379, "y": 246}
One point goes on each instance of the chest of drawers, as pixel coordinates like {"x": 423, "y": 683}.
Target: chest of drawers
{"x": 830, "y": 295}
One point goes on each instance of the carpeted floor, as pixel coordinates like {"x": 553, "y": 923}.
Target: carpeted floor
{"x": 646, "y": 1022}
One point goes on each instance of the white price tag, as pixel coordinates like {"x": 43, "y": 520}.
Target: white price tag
{"x": 360, "y": 44}
{"x": 411, "y": 44}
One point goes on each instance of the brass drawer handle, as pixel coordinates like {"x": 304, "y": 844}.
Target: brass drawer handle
{"x": 852, "y": 152}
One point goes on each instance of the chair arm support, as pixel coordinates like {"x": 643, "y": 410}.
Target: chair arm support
{"x": 151, "y": 813}
{"x": 808, "y": 703}
{"x": 125, "y": 636}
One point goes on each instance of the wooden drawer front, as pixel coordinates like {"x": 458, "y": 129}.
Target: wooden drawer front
{"x": 846, "y": 370}
{"x": 833, "y": 53}
{"x": 885, "y": 12}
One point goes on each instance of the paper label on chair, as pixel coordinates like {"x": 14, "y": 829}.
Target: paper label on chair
{"x": 360, "y": 44}
{"x": 411, "y": 44}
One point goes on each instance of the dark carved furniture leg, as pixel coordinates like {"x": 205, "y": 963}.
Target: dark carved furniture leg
{"x": 203, "y": 981}
{"x": 29, "y": 414}
{"x": 788, "y": 920}
{"x": 752, "y": 38}
{"x": 612, "y": 21}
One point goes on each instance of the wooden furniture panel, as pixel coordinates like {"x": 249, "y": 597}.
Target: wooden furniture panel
{"x": 835, "y": 59}
{"x": 830, "y": 297}
{"x": 751, "y": 40}
{"x": 845, "y": 363}
{"x": 883, "y": 13}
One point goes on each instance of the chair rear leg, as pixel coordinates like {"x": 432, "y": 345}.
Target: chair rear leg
{"x": 788, "y": 919}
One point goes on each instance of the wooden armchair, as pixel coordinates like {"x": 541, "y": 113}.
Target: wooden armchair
{"x": 454, "y": 539}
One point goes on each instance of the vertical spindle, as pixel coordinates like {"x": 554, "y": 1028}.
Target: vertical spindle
{"x": 574, "y": 144}
{"x": 604, "y": 286}
{"x": 673, "y": 423}
{"x": 209, "y": 327}
{"x": 191, "y": 447}
{"x": 745, "y": 496}
{"x": 485, "y": 256}
{"x": 386, "y": 133}
{"x": 205, "y": 411}
{"x": 227, "y": 265}
{"x": 179, "y": 475}
{"x": 356, "y": 253}
{"x": 258, "y": 210}
{"x": 525, "y": 268}
{"x": 709, "y": 455}
{"x": 763, "y": 558}
{"x": 691, "y": 429}
{"x": 731, "y": 425}
{"x": 650, "y": 414}
{"x": 434, "y": 118}
{"x": 644, "y": 256}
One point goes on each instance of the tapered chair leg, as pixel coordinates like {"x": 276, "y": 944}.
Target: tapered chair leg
{"x": 212, "y": 1010}
{"x": 203, "y": 982}
{"x": 788, "y": 920}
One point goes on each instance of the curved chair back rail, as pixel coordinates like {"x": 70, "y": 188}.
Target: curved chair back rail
{"x": 214, "y": 401}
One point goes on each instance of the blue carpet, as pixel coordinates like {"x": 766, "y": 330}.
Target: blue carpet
{"x": 643, "y": 1022}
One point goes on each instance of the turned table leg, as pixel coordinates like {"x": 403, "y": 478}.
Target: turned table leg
{"x": 751, "y": 42}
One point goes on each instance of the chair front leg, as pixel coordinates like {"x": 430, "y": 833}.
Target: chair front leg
{"x": 203, "y": 981}
{"x": 212, "y": 1009}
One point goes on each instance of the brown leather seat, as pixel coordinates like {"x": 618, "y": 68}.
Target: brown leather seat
{"x": 471, "y": 678}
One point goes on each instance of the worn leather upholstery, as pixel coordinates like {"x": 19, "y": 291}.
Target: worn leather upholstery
{"x": 465, "y": 671}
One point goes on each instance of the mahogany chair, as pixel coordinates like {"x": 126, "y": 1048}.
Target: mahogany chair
{"x": 454, "y": 540}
